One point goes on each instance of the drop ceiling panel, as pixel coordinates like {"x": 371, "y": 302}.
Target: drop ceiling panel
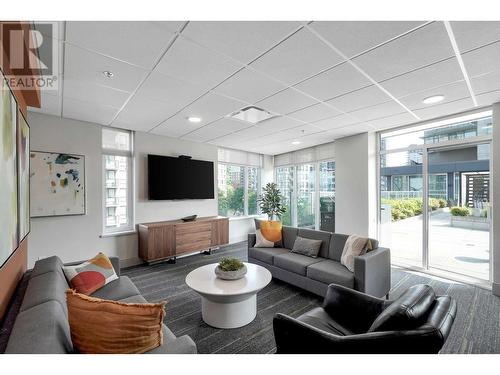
{"x": 347, "y": 131}
{"x": 392, "y": 121}
{"x": 176, "y": 126}
{"x": 297, "y": 58}
{"x": 249, "y": 85}
{"x": 486, "y": 82}
{"x": 91, "y": 112}
{"x": 435, "y": 75}
{"x": 473, "y": 34}
{"x": 172, "y": 91}
{"x": 334, "y": 82}
{"x": 365, "y": 97}
{"x": 445, "y": 109}
{"x": 451, "y": 92}
{"x": 336, "y": 122}
{"x": 488, "y": 98}
{"x": 243, "y": 41}
{"x": 143, "y": 114}
{"x": 228, "y": 140}
{"x": 87, "y": 66}
{"x": 353, "y": 37}
{"x": 93, "y": 93}
{"x": 209, "y": 132}
{"x": 230, "y": 124}
{"x": 286, "y": 101}
{"x": 314, "y": 113}
{"x": 211, "y": 107}
{"x": 137, "y": 42}
{"x": 482, "y": 60}
{"x": 378, "y": 111}
{"x": 198, "y": 65}
{"x": 279, "y": 123}
{"x": 254, "y": 132}
{"x": 424, "y": 46}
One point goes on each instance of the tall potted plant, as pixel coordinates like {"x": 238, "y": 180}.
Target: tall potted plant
{"x": 270, "y": 204}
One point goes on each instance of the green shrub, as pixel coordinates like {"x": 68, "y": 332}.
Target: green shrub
{"x": 230, "y": 264}
{"x": 404, "y": 208}
{"x": 442, "y": 203}
{"x": 460, "y": 211}
{"x": 433, "y": 204}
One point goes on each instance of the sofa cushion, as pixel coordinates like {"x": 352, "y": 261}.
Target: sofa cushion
{"x": 328, "y": 271}
{"x": 266, "y": 254}
{"x": 134, "y": 299}
{"x": 42, "y": 329}
{"x": 337, "y": 243}
{"x": 174, "y": 345}
{"x": 50, "y": 264}
{"x": 116, "y": 290}
{"x": 317, "y": 235}
{"x": 289, "y": 234}
{"x": 48, "y": 286}
{"x": 306, "y": 246}
{"x": 320, "y": 319}
{"x": 407, "y": 312}
{"x": 294, "y": 262}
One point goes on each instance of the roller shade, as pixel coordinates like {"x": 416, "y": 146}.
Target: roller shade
{"x": 306, "y": 155}
{"x": 230, "y": 156}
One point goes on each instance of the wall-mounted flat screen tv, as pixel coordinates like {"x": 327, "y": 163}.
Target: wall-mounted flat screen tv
{"x": 179, "y": 178}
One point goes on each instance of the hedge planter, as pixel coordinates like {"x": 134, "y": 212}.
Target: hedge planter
{"x": 470, "y": 222}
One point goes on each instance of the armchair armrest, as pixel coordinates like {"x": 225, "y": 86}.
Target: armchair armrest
{"x": 372, "y": 272}
{"x": 352, "y": 309}
{"x": 251, "y": 240}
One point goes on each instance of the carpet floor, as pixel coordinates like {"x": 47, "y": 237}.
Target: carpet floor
{"x": 476, "y": 328}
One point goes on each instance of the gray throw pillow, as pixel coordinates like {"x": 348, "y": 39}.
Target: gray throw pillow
{"x": 307, "y": 247}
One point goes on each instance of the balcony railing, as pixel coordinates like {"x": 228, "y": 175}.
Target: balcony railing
{"x": 395, "y": 194}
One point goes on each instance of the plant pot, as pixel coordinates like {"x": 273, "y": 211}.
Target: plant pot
{"x": 271, "y": 230}
{"x": 231, "y": 275}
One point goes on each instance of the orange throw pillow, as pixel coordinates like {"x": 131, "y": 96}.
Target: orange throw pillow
{"x": 271, "y": 230}
{"x": 108, "y": 327}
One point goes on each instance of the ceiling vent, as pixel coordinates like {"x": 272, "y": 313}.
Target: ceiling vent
{"x": 252, "y": 114}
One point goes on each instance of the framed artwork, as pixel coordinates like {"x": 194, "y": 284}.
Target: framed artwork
{"x": 57, "y": 184}
{"x": 9, "y": 239}
{"x": 23, "y": 174}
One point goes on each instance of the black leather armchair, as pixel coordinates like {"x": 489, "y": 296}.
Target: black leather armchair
{"x": 354, "y": 322}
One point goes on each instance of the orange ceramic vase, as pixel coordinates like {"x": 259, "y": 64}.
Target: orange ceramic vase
{"x": 271, "y": 230}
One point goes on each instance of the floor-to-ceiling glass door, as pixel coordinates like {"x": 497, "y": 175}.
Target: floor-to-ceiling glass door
{"x": 459, "y": 209}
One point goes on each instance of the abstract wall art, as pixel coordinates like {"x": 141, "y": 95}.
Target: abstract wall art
{"x": 23, "y": 173}
{"x": 9, "y": 239}
{"x": 57, "y": 184}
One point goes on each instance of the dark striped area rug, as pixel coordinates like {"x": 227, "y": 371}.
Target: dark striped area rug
{"x": 476, "y": 328}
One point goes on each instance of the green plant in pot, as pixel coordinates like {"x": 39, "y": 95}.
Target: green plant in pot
{"x": 270, "y": 203}
{"x": 230, "y": 269}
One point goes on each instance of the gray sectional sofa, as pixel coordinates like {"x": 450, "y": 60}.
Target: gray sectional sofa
{"x": 42, "y": 323}
{"x": 372, "y": 271}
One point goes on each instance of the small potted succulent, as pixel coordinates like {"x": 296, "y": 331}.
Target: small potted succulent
{"x": 230, "y": 269}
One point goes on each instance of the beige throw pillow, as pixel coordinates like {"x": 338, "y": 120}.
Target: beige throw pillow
{"x": 261, "y": 241}
{"x": 354, "y": 246}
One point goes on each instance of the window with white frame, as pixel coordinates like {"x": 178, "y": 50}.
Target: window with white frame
{"x": 117, "y": 164}
{"x": 238, "y": 183}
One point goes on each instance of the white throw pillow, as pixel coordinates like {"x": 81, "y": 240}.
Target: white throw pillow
{"x": 260, "y": 240}
{"x": 353, "y": 247}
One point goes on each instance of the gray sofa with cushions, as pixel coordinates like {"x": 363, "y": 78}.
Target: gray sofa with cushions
{"x": 42, "y": 323}
{"x": 372, "y": 271}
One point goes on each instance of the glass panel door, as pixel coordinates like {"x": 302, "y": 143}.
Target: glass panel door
{"x": 306, "y": 195}
{"x": 401, "y": 206}
{"x": 327, "y": 196}
{"x": 459, "y": 214}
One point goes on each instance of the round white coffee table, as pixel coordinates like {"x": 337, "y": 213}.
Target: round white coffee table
{"x": 228, "y": 303}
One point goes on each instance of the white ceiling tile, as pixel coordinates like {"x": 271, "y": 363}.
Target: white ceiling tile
{"x": 198, "y": 65}
{"x": 230, "y": 124}
{"x": 298, "y": 57}
{"x": 336, "y": 122}
{"x": 486, "y": 82}
{"x": 87, "y": 66}
{"x": 174, "y": 92}
{"x": 347, "y": 131}
{"x": 424, "y": 46}
{"x": 91, "y": 112}
{"x": 334, "y": 82}
{"x": 286, "y": 101}
{"x": 365, "y": 97}
{"x": 212, "y": 107}
{"x": 445, "y": 109}
{"x": 435, "y": 75}
{"x": 176, "y": 126}
{"x": 256, "y": 132}
{"x": 295, "y": 133}
{"x": 473, "y": 34}
{"x": 314, "y": 113}
{"x": 353, "y": 37}
{"x": 228, "y": 140}
{"x": 93, "y": 93}
{"x": 392, "y": 121}
{"x": 451, "y": 92}
{"x": 138, "y": 42}
{"x": 242, "y": 40}
{"x": 50, "y": 104}
{"x": 482, "y": 60}
{"x": 249, "y": 85}
{"x": 142, "y": 113}
{"x": 488, "y": 98}
{"x": 208, "y": 132}
{"x": 378, "y": 111}
{"x": 279, "y": 123}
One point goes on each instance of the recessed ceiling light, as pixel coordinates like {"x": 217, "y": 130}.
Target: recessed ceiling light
{"x": 194, "y": 119}
{"x": 433, "y": 99}
{"x": 296, "y": 142}
{"x": 108, "y": 74}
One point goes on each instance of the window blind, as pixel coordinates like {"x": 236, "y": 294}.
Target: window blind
{"x": 306, "y": 155}
{"x": 230, "y": 156}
